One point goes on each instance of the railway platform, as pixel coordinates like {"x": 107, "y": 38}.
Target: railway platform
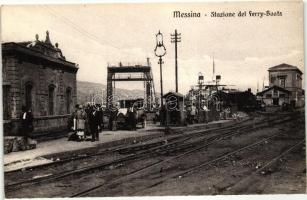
{"x": 49, "y": 151}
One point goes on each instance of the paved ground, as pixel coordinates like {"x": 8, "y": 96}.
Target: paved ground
{"x": 17, "y": 160}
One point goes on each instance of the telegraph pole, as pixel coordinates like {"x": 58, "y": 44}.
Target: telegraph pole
{"x": 175, "y": 38}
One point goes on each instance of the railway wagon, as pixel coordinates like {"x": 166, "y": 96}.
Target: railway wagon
{"x": 237, "y": 101}
{"x": 124, "y": 105}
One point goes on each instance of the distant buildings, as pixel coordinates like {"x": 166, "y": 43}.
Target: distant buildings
{"x": 37, "y": 75}
{"x": 285, "y": 86}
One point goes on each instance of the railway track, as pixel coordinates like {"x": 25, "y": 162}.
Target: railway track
{"x": 125, "y": 178}
{"x": 267, "y": 167}
{"x": 138, "y": 153}
{"x": 179, "y": 145}
{"x": 124, "y": 149}
{"x": 242, "y": 185}
{"x": 176, "y": 174}
{"x": 135, "y": 147}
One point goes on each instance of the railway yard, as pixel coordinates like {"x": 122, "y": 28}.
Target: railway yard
{"x": 262, "y": 154}
{"x": 137, "y": 103}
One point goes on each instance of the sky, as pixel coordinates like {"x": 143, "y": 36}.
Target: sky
{"x": 96, "y": 35}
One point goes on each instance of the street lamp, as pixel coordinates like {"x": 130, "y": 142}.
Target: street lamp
{"x": 160, "y": 51}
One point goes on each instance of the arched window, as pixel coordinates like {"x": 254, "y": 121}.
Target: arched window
{"x": 68, "y": 100}
{"x": 51, "y": 99}
{"x": 28, "y": 95}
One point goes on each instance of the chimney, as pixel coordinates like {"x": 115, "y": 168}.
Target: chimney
{"x": 47, "y": 38}
{"x": 148, "y": 62}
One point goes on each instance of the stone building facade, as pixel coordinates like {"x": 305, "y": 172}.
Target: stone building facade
{"x": 285, "y": 86}
{"x": 37, "y": 75}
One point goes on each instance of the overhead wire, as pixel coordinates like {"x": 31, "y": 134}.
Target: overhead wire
{"x": 80, "y": 29}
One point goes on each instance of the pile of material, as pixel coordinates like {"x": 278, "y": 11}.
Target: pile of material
{"x": 18, "y": 143}
{"x": 239, "y": 115}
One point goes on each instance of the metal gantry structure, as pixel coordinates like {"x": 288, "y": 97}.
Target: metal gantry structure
{"x": 125, "y": 73}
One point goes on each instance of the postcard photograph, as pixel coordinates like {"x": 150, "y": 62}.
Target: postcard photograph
{"x": 153, "y": 99}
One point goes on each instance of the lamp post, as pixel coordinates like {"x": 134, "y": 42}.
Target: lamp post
{"x": 160, "y": 51}
{"x": 200, "y": 84}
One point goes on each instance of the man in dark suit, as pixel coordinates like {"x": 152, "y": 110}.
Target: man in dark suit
{"x": 93, "y": 123}
{"x": 26, "y": 122}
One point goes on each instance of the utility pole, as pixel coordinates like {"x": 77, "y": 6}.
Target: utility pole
{"x": 175, "y": 38}
{"x": 213, "y": 69}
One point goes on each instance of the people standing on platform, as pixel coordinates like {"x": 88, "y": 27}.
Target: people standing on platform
{"x": 206, "y": 111}
{"x": 87, "y": 130}
{"x": 79, "y": 122}
{"x": 93, "y": 123}
{"x": 130, "y": 119}
{"x": 189, "y": 118}
{"x": 134, "y": 118}
{"x": 193, "y": 113}
{"x": 157, "y": 116}
{"x": 113, "y": 118}
{"x": 143, "y": 119}
{"x": 163, "y": 115}
{"x": 26, "y": 122}
{"x": 72, "y": 125}
{"x": 100, "y": 119}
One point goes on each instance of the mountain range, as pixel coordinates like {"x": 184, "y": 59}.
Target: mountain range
{"x": 89, "y": 91}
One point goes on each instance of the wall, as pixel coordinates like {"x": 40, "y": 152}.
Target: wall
{"x": 17, "y": 72}
{"x": 292, "y": 83}
{"x": 269, "y": 100}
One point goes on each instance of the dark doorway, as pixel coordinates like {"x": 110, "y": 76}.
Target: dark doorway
{"x": 28, "y": 96}
{"x": 275, "y": 101}
{"x": 51, "y": 100}
{"x": 6, "y": 102}
{"x": 68, "y": 100}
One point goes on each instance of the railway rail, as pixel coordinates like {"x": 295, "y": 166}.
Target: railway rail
{"x": 134, "y": 147}
{"x": 137, "y": 151}
{"x": 176, "y": 174}
{"x": 239, "y": 186}
{"x": 135, "y": 155}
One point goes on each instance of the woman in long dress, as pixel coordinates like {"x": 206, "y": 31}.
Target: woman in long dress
{"x": 80, "y": 117}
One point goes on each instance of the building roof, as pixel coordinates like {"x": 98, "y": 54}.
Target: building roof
{"x": 273, "y": 87}
{"x": 285, "y": 67}
{"x": 40, "y": 49}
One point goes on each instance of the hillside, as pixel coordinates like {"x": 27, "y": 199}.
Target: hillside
{"x": 88, "y": 90}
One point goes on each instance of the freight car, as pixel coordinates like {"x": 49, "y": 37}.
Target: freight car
{"x": 122, "y": 116}
{"x": 241, "y": 101}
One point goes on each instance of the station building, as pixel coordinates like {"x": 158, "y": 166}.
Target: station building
{"x": 37, "y": 75}
{"x": 285, "y": 86}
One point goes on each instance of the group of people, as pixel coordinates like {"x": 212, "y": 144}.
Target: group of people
{"x": 86, "y": 121}
{"x": 191, "y": 113}
{"x": 131, "y": 118}
{"x": 127, "y": 120}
